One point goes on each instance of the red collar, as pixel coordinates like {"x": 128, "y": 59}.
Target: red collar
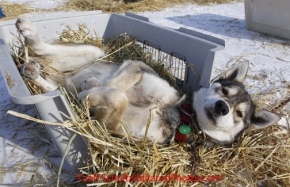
{"x": 184, "y": 124}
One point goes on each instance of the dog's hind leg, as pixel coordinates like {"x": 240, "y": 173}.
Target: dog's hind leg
{"x": 106, "y": 105}
{"x": 63, "y": 58}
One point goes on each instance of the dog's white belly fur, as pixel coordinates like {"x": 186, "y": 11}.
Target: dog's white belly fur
{"x": 151, "y": 85}
{"x": 100, "y": 70}
{"x": 135, "y": 119}
{"x": 148, "y": 89}
{"x": 145, "y": 98}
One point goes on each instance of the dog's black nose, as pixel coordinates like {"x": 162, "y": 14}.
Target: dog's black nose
{"x": 221, "y": 108}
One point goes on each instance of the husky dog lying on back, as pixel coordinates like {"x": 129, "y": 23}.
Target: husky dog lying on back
{"x": 134, "y": 95}
{"x": 131, "y": 93}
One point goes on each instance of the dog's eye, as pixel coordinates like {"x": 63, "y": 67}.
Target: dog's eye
{"x": 224, "y": 91}
{"x": 239, "y": 114}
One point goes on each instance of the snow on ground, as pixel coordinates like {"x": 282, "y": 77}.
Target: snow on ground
{"x": 25, "y": 147}
{"x": 269, "y": 56}
{"x": 266, "y": 54}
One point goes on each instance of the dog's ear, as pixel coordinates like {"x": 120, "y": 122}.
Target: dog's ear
{"x": 263, "y": 118}
{"x": 236, "y": 73}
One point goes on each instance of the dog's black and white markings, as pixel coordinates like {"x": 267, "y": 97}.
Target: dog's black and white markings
{"x": 132, "y": 92}
{"x": 225, "y": 109}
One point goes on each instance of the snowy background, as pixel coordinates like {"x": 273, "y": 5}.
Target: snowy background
{"x": 26, "y": 152}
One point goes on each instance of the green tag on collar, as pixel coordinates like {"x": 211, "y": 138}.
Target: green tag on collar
{"x": 184, "y": 129}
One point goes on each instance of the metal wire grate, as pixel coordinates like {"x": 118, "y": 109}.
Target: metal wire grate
{"x": 175, "y": 63}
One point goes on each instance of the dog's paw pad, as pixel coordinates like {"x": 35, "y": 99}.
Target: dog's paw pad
{"x": 25, "y": 27}
{"x": 31, "y": 70}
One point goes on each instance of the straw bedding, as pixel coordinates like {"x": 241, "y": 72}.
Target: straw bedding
{"x": 142, "y": 5}
{"x": 14, "y": 10}
{"x": 258, "y": 158}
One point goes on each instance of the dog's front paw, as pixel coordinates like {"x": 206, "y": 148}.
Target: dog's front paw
{"x": 30, "y": 70}
{"x": 26, "y": 28}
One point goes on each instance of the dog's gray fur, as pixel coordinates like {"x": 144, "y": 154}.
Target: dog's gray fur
{"x": 132, "y": 93}
{"x": 225, "y": 109}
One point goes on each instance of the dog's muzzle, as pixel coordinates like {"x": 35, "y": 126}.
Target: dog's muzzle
{"x": 221, "y": 108}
